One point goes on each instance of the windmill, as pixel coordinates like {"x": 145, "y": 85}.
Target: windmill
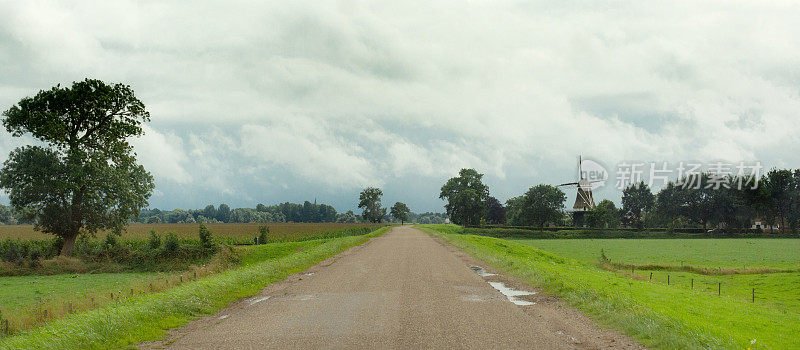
{"x": 584, "y": 201}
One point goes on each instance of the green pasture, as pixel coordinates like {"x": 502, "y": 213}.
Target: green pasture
{"x": 25, "y": 291}
{"x": 717, "y": 252}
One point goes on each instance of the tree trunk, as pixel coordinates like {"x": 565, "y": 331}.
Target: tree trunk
{"x": 75, "y": 224}
{"x": 69, "y": 244}
{"x": 783, "y": 224}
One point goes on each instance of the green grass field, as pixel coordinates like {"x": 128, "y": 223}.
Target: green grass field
{"x": 713, "y": 253}
{"x": 656, "y": 314}
{"x": 25, "y": 291}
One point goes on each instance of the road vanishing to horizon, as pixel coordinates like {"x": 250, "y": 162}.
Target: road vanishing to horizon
{"x": 406, "y": 290}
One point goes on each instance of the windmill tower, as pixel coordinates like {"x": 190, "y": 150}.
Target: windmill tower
{"x": 584, "y": 201}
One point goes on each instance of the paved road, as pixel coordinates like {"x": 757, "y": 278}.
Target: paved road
{"x": 402, "y": 290}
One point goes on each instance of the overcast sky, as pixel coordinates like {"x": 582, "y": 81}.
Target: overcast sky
{"x": 295, "y": 100}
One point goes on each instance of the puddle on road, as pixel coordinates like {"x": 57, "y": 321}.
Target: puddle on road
{"x": 256, "y": 301}
{"x": 309, "y": 274}
{"x": 224, "y": 317}
{"x": 481, "y": 271}
{"x": 512, "y": 294}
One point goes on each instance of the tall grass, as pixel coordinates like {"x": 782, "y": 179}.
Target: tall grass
{"x": 147, "y": 317}
{"x": 56, "y": 307}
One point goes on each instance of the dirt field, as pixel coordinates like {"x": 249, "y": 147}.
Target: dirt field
{"x": 233, "y": 230}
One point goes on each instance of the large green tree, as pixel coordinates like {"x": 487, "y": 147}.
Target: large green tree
{"x": 370, "y": 201}
{"x": 514, "y": 211}
{"x": 637, "y": 199}
{"x": 604, "y": 215}
{"x": 542, "y": 204}
{"x": 83, "y": 177}
{"x": 496, "y": 213}
{"x": 466, "y": 197}
{"x": 400, "y": 212}
{"x": 778, "y": 193}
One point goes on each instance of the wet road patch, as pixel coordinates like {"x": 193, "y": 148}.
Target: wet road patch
{"x": 512, "y": 294}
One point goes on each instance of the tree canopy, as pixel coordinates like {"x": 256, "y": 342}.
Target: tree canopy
{"x": 636, "y": 201}
{"x": 370, "y": 201}
{"x": 400, "y": 212}
{"x": 605, "y": 214}
{"x": 542, "y": 204}
{"x": 85, "y": 178}
{"x": 466, "y": 197}
{"x": 496, "y": 213}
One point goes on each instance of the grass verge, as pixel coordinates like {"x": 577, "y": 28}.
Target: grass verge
{"x": 657, "y": 315}
{"x": 147, "y": 317}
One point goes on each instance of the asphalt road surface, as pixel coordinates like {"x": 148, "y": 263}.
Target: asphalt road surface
{"x": 402, "y": 290}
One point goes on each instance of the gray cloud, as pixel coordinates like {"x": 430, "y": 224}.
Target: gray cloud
{"x": 265, "y": 102}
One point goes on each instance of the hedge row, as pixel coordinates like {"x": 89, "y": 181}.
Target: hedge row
{"x": 555, "y": 233}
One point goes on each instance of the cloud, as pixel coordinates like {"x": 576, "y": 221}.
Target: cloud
{"x": 162, "y": 154}
{"x": 309, "y": 150}
{"x": 253, "y": 99}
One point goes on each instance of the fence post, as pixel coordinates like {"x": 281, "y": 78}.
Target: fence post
{"x": 692, "y": 283}
{"x": 667, "y": 279}
{"x": 181, "y": 279}
{"x": 651, "y": 276}
{"x": 5, "y": 326}
{"x": 70, "y": 307}
{"x": 754, "y": 295}
{"x": 719, "y": 288}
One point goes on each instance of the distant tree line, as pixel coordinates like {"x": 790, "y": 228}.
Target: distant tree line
{"x": 427, "y": 218}
{"x": 284, "y": 212}
{"x": 373, "y": 211}
{"x": 11, "y": 216}
{"x": 469, "y": 203}
{"x": 701, "y": 201}
{"x": 710, "y": 202}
